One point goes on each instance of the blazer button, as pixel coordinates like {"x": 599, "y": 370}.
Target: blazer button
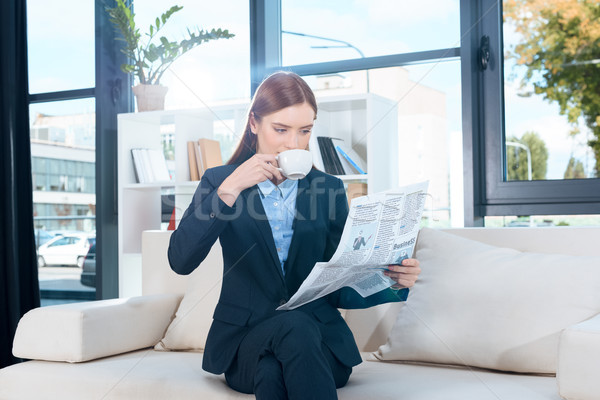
{"x": 282, "y": 302}
{"x": 212, "y": 215}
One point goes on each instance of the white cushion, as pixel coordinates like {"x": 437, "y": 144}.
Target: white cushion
{"x": 578, "y": 360}
{"x": 491, "y": 307}
{"x": 150, "y": 375}
{"x": 144, "y": 374}
{"x": 409, "y": 381}
{"x": 189, "y": 329}
{"x": 85, "y": 331}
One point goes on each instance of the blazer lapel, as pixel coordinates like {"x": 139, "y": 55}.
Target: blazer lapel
{"x": 257, "y": 213}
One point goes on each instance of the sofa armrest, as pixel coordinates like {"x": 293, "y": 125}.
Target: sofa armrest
{"x": 85, "y": 331}
{"x": 577, "y": 374}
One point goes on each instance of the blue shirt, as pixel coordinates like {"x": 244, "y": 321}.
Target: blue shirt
{"x": 279, "y": 203}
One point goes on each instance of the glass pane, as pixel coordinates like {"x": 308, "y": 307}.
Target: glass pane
{"x": 60, "y": 44}
{"x": 64, "y": 198}
{"x": 428, "y": 102}
{"x": 551, "y": 90}
{"x": 214, "y": 71}
{"x": 318, "y": 31}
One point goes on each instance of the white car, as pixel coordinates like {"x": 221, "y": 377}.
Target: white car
{"x": 68, "y": 249}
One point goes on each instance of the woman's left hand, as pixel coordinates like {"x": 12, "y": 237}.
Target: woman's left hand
{"x": 405, "y": 275}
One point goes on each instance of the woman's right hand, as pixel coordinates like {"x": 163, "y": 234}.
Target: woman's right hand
{"x": 256, "y": 169}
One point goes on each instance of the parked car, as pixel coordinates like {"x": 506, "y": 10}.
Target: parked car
{"x": 88, "y": 273}
{"x": 42, "y": 236}
{"x": 69, "y": 249}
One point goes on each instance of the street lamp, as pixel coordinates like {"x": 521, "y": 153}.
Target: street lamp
{"x": 344, "y": 45}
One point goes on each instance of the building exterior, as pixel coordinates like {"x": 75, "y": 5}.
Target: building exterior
{"x": 424, "y": 140}
{"x": 63, "y": 167}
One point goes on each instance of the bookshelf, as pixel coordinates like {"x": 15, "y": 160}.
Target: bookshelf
{"x": 366, "y": 122}
{"x": 139, "y": 204}
{"x": 369, "y": 124}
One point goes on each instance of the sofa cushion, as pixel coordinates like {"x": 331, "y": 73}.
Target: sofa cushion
{"x": 578, "y": 375}
{"x": 411, "y": 381}
{"x": 480, "y": 305}
{"x": 144, "y": 374}
{"x": 151, "y": 375}
{"x": 89, "y": 330}
{"x": 189, "y": 329}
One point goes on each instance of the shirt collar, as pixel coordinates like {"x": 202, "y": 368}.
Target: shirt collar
{"x": 266, "y": 187}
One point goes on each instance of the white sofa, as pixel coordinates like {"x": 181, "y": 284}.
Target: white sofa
{"x": 109, "y": 353}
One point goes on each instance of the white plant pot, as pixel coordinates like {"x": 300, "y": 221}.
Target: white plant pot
{"x": 150, "y": 97}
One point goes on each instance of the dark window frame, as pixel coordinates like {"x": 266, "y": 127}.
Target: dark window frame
{"x": 112, "y": 96}
{"x": 492, "y": 194}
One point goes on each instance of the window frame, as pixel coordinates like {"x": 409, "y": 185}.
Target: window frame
{"x": 112, "y": 96}
{"x": 492, "y": 195}
{"x": 265, "y": 51}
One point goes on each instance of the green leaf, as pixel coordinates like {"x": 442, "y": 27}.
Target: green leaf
{"x": 148, "y": 61}
{"x": 164, "y": 41}
{"x": 167, "y": 14}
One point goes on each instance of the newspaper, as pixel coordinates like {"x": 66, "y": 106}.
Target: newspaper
{"x": 381, "y": 229}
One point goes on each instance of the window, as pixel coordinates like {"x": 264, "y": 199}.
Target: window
{"x": 60, "y": 50}
{"x": 317, "y": 31}
{"x": 367, "y": 47}
{"x": 63, "y": 141}
{"x": 527, "y": 155}
{"x": 550, "y": 90}
{"x": 506, "y": 133}
{"x": 530, "y": 135}
{"x": 213, "y": 72}
{"x": 427, "y": 100}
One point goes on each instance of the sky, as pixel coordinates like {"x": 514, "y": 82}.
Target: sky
{"x": 61, "y": 54}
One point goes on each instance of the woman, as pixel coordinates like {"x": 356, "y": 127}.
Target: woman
{"x": 272, "y": 232}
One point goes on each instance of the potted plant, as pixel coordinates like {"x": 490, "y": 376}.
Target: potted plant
{"x": 151, "y": 57}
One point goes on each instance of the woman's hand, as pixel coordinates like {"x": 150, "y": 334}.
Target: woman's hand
{"x": 256, "y": 169}
{"x": 405, "y": 275}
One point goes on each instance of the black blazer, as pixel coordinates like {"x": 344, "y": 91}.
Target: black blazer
{"x": 253, "y": 284}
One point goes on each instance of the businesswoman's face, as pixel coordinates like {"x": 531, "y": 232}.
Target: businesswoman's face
{"x": 286, "y": 129}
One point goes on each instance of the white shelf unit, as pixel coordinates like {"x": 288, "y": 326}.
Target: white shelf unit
{"x": 369, "y": 124}
{"x": 139, "y": 204}
{"x": 366, "y": 122}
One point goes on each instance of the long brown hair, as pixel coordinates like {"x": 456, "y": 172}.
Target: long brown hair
{"x": 280, "y": 90}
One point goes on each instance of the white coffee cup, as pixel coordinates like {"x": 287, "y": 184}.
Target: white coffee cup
{"x": 295, "y": 164}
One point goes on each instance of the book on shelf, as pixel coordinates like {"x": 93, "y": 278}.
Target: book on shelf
{"x": 137, "y": 166}
{"x": 313, "y": 147}
{"x": 199, "y": 163}
{"x": 325, "y": 156}
{"x": 351, "y": 162}
{"x": 147, "y": 167}
{"x": 211, "y": 153}
{"x": 354, "y": 190}
{"x": 191, "y": 149}
{"x": 203, "y": 154}
{"x": 336, "y": 164}
{"x": 150, "y": 165}
{"x": 333, "y": 156}
{"x": 158, "y": 165}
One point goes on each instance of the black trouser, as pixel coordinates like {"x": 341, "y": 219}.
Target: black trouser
{"x": 284, "y": 358}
